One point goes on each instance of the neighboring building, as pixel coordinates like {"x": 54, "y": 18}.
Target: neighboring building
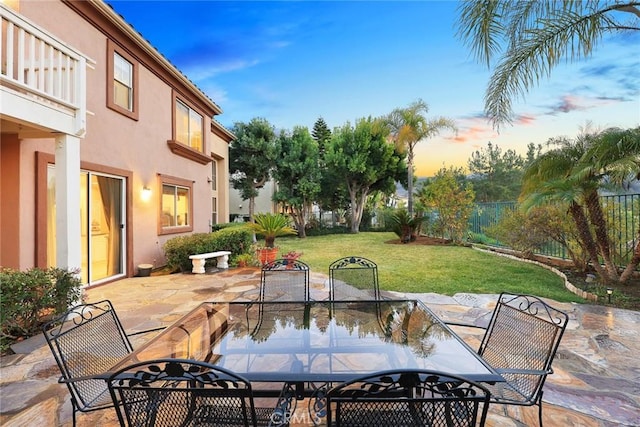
{"x": 239, "y": 209}
{"x": 106, "y": 150}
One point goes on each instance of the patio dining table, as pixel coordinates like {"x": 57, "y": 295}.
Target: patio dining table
{"x": 315, "y": 341}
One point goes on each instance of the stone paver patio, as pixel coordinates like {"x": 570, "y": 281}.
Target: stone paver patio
{"x": 597, "y": 367}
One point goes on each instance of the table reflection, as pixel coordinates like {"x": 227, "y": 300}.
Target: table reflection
{"x": 316, "y": 341}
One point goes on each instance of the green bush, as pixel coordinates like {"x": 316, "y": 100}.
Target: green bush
{"x": 28, "y": 297}
{"x": 238, "y": 240}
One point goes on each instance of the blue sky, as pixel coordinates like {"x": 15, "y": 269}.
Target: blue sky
{"x": 293, "y": 62}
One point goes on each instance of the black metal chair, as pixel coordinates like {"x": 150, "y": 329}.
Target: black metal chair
{"x": 284, "y": 280}
{"x": 353, "y": 278}
{"x": 520, "y": 343}
{"x": 87, "y": 341}
{"x": 177, "y": 392}
{"x": 408, "y": 398}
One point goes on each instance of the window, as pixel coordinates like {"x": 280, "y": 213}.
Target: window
{"x": 214, "y": 211}
{"x": 122, "y": 81}
{"x": 189, "y": 126}
{"x": 175, "y": 206}
{"x": 214, "y": 175}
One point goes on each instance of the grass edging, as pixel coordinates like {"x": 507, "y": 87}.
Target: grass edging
{"x": 567, "y": 284}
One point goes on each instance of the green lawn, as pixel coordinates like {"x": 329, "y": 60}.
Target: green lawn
{"x": 440, "y": 269}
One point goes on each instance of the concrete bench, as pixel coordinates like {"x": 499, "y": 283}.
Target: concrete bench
{"x": 199, "y": 260}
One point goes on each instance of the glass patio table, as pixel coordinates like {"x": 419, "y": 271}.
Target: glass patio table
{"x": 316, "y": 342}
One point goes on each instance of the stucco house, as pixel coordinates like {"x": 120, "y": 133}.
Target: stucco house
{"x": 107, "y": 150}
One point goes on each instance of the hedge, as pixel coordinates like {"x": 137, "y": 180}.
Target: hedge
{"x": 177, "y": 250}
{"x": 28, "y": 298}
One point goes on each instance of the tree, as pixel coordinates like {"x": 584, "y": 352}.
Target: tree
{"x": 333, "y": 193}
{"x": 408, "y": 126}
{"x": 496, "y": 176}
{"x": 251, "y": 157}
{"x": 451, "y": 200}
{"x": 532, "y": 37}
{"x": 322, "y": 135}
{"x": 366, "y": 162}
{"x": 573, "y": 173}
{"x": 298, "y": 174}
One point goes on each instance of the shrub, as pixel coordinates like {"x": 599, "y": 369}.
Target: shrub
{"x": 238, "y": 240}
{"x": 28, "y": 297}
{"x": 406, "y": 227}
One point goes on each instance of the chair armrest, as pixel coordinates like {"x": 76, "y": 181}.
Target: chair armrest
{"x": 464, "y": 325}
{"x": 146, "y": 331}
{"x": 63, "y": 380}
{"x": 523, "y": 371}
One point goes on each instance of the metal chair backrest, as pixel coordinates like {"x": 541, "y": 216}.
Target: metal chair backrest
{"x": 353, "y": 278}
{"x": 284, "y": 280}
{"x": 86, "y": 341}
{"x": 408, "y": 398}
{"x": 178, "y": 392}
{"x": 520, "y": 343}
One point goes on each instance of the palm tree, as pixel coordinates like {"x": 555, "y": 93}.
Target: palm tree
{"x": 407, "y": 127}
{"x": 573, "y": 173}
{"x": 613, "y": 158}
{"x": 532, "y": 37}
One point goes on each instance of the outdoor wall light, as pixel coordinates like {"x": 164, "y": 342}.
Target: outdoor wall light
{"x": 146, "y": 193}
{"x": 609, "y": 293}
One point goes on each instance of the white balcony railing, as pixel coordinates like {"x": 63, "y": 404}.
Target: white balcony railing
{"x": 38, "y": 65}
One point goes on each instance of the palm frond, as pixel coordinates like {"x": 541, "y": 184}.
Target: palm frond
{"x": 566, "y": 36}
{"x": 481, "y": 28}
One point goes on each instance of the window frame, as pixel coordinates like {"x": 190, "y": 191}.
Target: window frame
{"x": 174, "y": 182}
{"x": 190, "y": 111}
{"x": 183, "y": 150}
{"x": 112, "y": 50}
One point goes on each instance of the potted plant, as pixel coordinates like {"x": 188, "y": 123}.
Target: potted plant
{"x": 291, "y": 256}
{"x": 270, "y": 226}
{"x": 243, "y": 260}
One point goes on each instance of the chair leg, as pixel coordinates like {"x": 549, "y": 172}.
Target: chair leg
{"x": 540, "y": 409}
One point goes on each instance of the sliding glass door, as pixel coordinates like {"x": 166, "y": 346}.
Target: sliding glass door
{"x": 102, "y": 202}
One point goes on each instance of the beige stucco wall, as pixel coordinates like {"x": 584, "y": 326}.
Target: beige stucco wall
{"x": 113, "y": 140}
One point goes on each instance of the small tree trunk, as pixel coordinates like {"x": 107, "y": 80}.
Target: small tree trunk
{"x": 633, "y": 264}
{"x": 594, "y": 209}
{"x": 587, "y": 239}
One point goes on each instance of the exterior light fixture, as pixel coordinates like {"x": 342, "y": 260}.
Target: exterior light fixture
{"x": 609, "y": 293}
{"x": 146, "y": 193}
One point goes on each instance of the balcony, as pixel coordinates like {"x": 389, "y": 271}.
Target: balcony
{"x": 42, "y": 81}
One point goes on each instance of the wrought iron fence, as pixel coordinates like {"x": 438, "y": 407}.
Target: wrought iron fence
{"x": 622, "y": 213}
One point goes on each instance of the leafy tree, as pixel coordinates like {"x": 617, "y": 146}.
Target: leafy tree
{"x": 361, "y": 155}
{"x": 298, "y": 174}
{"x": 496, "y": 176}
{"x": 252, "y": 155}
{"x": 408, "y": 126}
{"x": 532, "y": 37}
{"x": 573, "y": 173}
{"x": 451, "y": 200}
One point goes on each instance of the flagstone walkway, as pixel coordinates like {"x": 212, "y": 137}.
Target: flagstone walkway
{"x": 597, "y": 368}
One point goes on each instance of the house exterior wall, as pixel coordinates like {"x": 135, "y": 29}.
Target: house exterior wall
{"x": 114, "y": 143}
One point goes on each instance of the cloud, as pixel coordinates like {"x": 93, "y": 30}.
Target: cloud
{"x": 472, "y": 128}
{"x": 524, "y": 119}
{"x": 567, "y": 104}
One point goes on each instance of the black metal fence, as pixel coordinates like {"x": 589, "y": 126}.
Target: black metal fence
{"x": 622, "y": 213}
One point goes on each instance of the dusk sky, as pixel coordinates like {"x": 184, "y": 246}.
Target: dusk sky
{"x": 293, "y": 62}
